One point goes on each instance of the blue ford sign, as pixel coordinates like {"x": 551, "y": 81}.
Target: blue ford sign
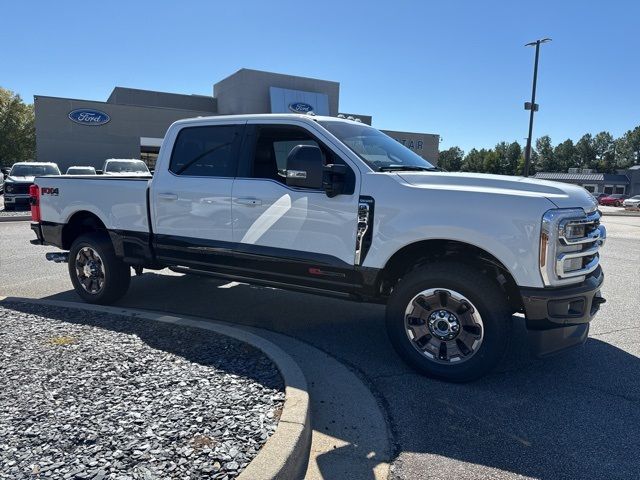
{"x": 300, "y": 107}
{"x": 86, "y": 116}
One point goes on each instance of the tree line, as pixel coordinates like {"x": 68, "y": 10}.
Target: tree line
{"x": 17, "y": 129}
{"x": 601, "y": 152}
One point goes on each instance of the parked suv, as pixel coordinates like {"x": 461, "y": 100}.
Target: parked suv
{"x": 334, "y": 207}
{"x": 16, "y": 186}
{"x": 75, "y": 170}
{"x": 125, "y": 167}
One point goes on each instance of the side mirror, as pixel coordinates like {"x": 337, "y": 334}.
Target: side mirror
{"x": 305, "y": 167}
{"x": 333, "y": 180}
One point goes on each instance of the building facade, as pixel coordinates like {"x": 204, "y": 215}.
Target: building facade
{"x": 132, "y": 122}
{"x": 626, "y": 182}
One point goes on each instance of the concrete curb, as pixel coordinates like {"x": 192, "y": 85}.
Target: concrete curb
{"x": 14, "y": 218}
{"x": 286, "y": 452}
{"x": 621, "y": 214}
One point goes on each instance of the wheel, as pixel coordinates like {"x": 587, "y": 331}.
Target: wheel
{"x": 617, "y": 204}
{"x": 449, "y": 321}
{"x": 8, "y": 208}
{"x": 98, "y": 276}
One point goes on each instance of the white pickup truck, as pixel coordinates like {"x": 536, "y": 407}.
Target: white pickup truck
{"x": 330, "y": 206}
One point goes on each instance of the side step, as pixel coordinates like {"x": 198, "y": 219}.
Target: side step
{"x": 267, "y": 283}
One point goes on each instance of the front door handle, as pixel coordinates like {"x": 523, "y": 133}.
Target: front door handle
{"x": 249, "y": 201}
{"x": 167, "y": 196}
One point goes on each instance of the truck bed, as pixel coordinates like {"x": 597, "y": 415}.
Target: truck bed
{"x": 120, "y": 202}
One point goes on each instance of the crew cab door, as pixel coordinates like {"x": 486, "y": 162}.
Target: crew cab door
{"x": 191, "y": 193}
{"x": 289, "y": 233}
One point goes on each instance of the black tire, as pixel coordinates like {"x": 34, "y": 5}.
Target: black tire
{"x": 8, "y": 208}
{"x": 116, "y": 276}
{"x": 480, "y": 290}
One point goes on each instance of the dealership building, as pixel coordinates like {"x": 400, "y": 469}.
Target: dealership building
{"x": 132, "y": 122}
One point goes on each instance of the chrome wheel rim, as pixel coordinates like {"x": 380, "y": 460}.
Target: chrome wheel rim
{"x": 444, "y": 326}
{"x": 90, "y": 270}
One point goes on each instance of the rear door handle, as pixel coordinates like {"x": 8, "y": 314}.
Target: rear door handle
{"x": 249, "y": 201}
{"x": 168, "y": 196}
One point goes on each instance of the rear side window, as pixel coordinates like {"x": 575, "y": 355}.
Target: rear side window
{"x": 209, "y": 151}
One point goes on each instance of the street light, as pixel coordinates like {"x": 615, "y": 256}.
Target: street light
{"x": 532, "y": 106}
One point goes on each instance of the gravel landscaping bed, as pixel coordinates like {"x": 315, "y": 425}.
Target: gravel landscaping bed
{"x": 88, "y": 395}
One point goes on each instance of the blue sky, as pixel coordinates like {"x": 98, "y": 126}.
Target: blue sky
{"x": 456, "y": 68}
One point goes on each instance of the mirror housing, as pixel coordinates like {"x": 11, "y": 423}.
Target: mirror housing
{"x": 305, "y": 167}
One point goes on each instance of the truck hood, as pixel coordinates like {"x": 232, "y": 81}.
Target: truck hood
{"x": 20, "y": 179}
{"x": 563, "y": 195}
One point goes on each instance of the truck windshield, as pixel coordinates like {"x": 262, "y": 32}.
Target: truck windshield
{"x": 33, "y": 170}
{"x": 379, "y": 151}
{"x": 126, "y": 166}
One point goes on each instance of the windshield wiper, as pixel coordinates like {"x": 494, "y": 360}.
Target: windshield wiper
{"x": 411, "y": 168}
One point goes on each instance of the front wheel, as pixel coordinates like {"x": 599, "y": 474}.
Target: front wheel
{"x": 449, "y": 321}
{"x": 98, "y": 276}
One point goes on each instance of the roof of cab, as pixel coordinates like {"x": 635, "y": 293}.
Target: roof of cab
{"x": 264, "y": 116}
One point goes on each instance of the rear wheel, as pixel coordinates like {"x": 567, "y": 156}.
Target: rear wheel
{"x": 449, "y": 321}
{"x": 98, "y": 276}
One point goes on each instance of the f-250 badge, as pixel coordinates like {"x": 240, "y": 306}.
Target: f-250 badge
{"x": 49, "y": 191}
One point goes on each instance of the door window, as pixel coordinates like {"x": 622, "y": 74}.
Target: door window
{"x": 208, "y": 151}
{"x": 272, "y": 147}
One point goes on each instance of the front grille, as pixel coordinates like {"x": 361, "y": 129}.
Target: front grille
{"x": 20, "y": 188}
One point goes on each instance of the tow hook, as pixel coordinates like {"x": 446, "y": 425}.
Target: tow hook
{"x": 58, "y": 257}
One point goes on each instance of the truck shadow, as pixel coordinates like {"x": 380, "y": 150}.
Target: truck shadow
{"x": 575, "y": 415}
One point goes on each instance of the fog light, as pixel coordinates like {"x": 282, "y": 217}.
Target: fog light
{"x": 572, "y": 264}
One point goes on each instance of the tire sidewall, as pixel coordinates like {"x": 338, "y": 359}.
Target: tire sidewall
{"x": 479, "y": 290}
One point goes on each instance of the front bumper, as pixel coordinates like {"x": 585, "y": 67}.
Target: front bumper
{"x": 558, "y": 318}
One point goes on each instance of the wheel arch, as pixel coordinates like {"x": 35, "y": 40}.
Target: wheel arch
{"x": 423, "y": 252}
{"x": 78, "y": 224}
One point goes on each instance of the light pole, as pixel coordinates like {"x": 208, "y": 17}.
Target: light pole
{"x": 532, "y": 106}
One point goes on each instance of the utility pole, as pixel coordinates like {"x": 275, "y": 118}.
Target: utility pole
{"x": 532, "y": 106}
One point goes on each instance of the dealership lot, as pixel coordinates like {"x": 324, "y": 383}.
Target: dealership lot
{"x": 571, "y": 416}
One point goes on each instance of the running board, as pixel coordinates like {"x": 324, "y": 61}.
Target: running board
{"x": 58, "y": 257}
{"x": 267, "y": 283}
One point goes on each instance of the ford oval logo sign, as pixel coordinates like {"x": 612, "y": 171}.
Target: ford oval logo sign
{"x": 300, "y": 107}
{"x": 86, "y": 116}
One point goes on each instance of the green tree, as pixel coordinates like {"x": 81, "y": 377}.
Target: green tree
{"x": 604, "y": 145}
{"x": 546, "y": 161}
{"x": 491, "y": 162}
{"x": 500, "y": 151}
{"x": 17, "y": 129}
{"x": 586, "y": 152}
{"x": 451, "y": 159}
{"x": 565, "y": 155}
{"x": 474, "y": 161}
{"x": 628, "y": 149}
{"x": 514, "y": 154}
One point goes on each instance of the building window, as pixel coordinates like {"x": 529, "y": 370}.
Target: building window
{"x": 619, "y": 189}
{"x": 608, "y": 189}
{"x": 149, "y": 155}
{"x": 590, "y": 188}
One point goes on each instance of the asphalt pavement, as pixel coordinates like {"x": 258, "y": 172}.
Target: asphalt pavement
{"x": 575, "y": 415}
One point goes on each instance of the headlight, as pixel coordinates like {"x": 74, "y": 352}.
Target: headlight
{"x": 8, "y": 188}
{"x": 569, "y": 243}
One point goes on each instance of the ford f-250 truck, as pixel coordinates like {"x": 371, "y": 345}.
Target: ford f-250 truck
{"x": 330, "y": 206}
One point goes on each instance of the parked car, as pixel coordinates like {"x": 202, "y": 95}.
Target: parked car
{"x": 81, "y": 171}
{"x": 614, "y": 200}
{"x": 356, "y": 215}
{"x": 598, "y": 196}
{"x": 125, "y": 167}
{"x": 1, "y": 182}
{"x": 16, "y": 186}
{"x": 631, "y": 203}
